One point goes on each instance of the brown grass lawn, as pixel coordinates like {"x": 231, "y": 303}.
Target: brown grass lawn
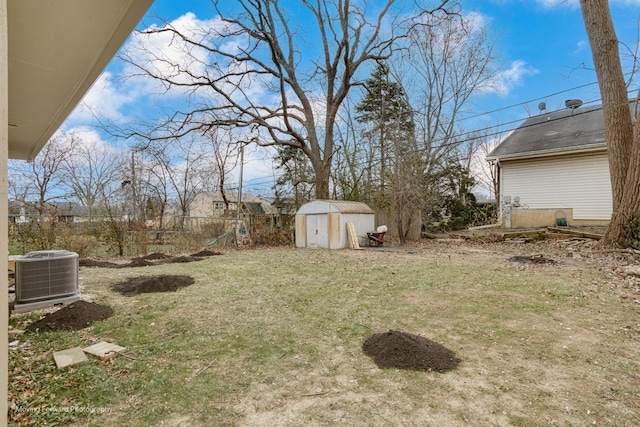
{"x": 271, "y": 337}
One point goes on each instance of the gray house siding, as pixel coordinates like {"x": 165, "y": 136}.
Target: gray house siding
{"x": 577, "y": 182}
{"x": 557, "y": 161}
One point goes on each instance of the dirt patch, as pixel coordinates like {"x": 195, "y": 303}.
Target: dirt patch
{"x": 146, "y": 284}
{"x": 179, "y": 259}
{"x": 532, "y": 259}
{"x": 396, "y": 349}
{"x": 75, "y": 316}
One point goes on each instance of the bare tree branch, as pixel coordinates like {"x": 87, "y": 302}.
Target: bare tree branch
{"x": 258, "y": 69}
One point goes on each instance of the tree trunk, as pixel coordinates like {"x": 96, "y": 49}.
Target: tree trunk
{"x": 323, "y": 175}
{"x": 624, "y": 156}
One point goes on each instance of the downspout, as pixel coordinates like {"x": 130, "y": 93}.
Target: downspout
{"x": 499, "y": 196}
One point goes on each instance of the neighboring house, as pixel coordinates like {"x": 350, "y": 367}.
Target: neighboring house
{"x": 554, "y": 170}
{"x": 72, "y": 212}
{"x": 210, "y": 204}
{"x": 62, "y": 211}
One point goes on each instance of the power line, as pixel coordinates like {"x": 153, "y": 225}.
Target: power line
{"x": 531, "y": 100}
{"x": 500, "y": 130}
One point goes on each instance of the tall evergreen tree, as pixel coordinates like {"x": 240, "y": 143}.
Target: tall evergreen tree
{"x": 386, "y": 111}
{"x": 295, "y": 181}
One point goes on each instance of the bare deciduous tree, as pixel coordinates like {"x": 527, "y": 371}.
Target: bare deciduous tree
{"x": 224, "y": 159}
{"x": 176, "y": 170}
{"x": 450, "y": 61}
{"x": 43, "y": 180}
{"x": 280, "y": 73}
{"x": 43, "y": 183}
{"x": 93, "y": 167}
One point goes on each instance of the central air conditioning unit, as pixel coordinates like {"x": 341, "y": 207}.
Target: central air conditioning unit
{"x": 46, "y": 278}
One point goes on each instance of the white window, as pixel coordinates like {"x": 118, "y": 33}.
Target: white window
{"x": 219, "y": 206}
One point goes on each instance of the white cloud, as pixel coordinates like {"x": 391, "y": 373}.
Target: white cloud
{"x": 257, "y": 166}
{"x": 113, "y": 93}
{"x": 105, "y": 99}
{"x": 507, "y": 79}
{"x": 161, "y": 51}
{"x": 476, "y": 21}
{"x": 89, "y": 138}
{"x": 581, "y": 46}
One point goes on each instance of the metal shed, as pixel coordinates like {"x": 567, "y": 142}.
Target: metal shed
{"x": 323, "y": 223}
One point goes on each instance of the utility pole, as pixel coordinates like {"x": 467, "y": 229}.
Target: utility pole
{"x": 134, "y": 194}
{"x": 242, "y": 231}
{"x": 240, "y": 180}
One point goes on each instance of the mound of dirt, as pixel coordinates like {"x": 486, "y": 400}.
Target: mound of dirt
{"x": 206, "y": 253}
{"x": 146, "y": 284}
{"x": 75, "y": 316}
{"x": 155, "y": 255}
{"x": 93, "y": 263}
{"x": 136, "y": 262}
{"x": 396, "y": 349}
{"x": 147, "y": 260}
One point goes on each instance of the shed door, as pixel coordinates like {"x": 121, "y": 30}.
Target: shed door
{"x": 317, "y": 231}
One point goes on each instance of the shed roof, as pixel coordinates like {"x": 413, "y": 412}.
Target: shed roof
{"x": 334, "y": 206}
{"x": 558, "y": 132}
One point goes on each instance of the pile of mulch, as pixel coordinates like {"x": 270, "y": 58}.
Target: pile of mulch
{"x": 179, "y": 259}
{"x": 206, "y": 253}
{"x": 94, "y": 263}
{"x": 148, "y": 260}
{"x": 532, "y": 259}
{"x": 401, "y": 350}
{"x": 72, "y": 317}
{"x": 146, "y": 284}
{"x": 135, "y": 262}
{"x": 154, "y": 256}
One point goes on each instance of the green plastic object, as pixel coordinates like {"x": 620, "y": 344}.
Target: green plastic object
{"x": 561, "y": 222}
{"x": 214, "y": 241}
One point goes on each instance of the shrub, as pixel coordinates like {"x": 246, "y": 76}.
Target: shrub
{"x": 82, "y": 244}
{"x": 267, "y": 232}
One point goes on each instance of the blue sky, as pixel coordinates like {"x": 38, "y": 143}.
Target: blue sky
{"x": 549, "y": 39}
{"x": 542, "y": 47}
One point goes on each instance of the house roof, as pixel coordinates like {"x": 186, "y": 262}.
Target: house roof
{"x": 254, "y": 204}
{"x": 56, "y": 50}
{"x": 334, "y": 206}
{"x": 232, "y": 197}
{"x": 559, "y": 132}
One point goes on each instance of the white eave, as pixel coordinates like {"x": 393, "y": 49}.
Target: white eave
{"x": 583, "y": 149}
{"x": 57, "y": 49}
